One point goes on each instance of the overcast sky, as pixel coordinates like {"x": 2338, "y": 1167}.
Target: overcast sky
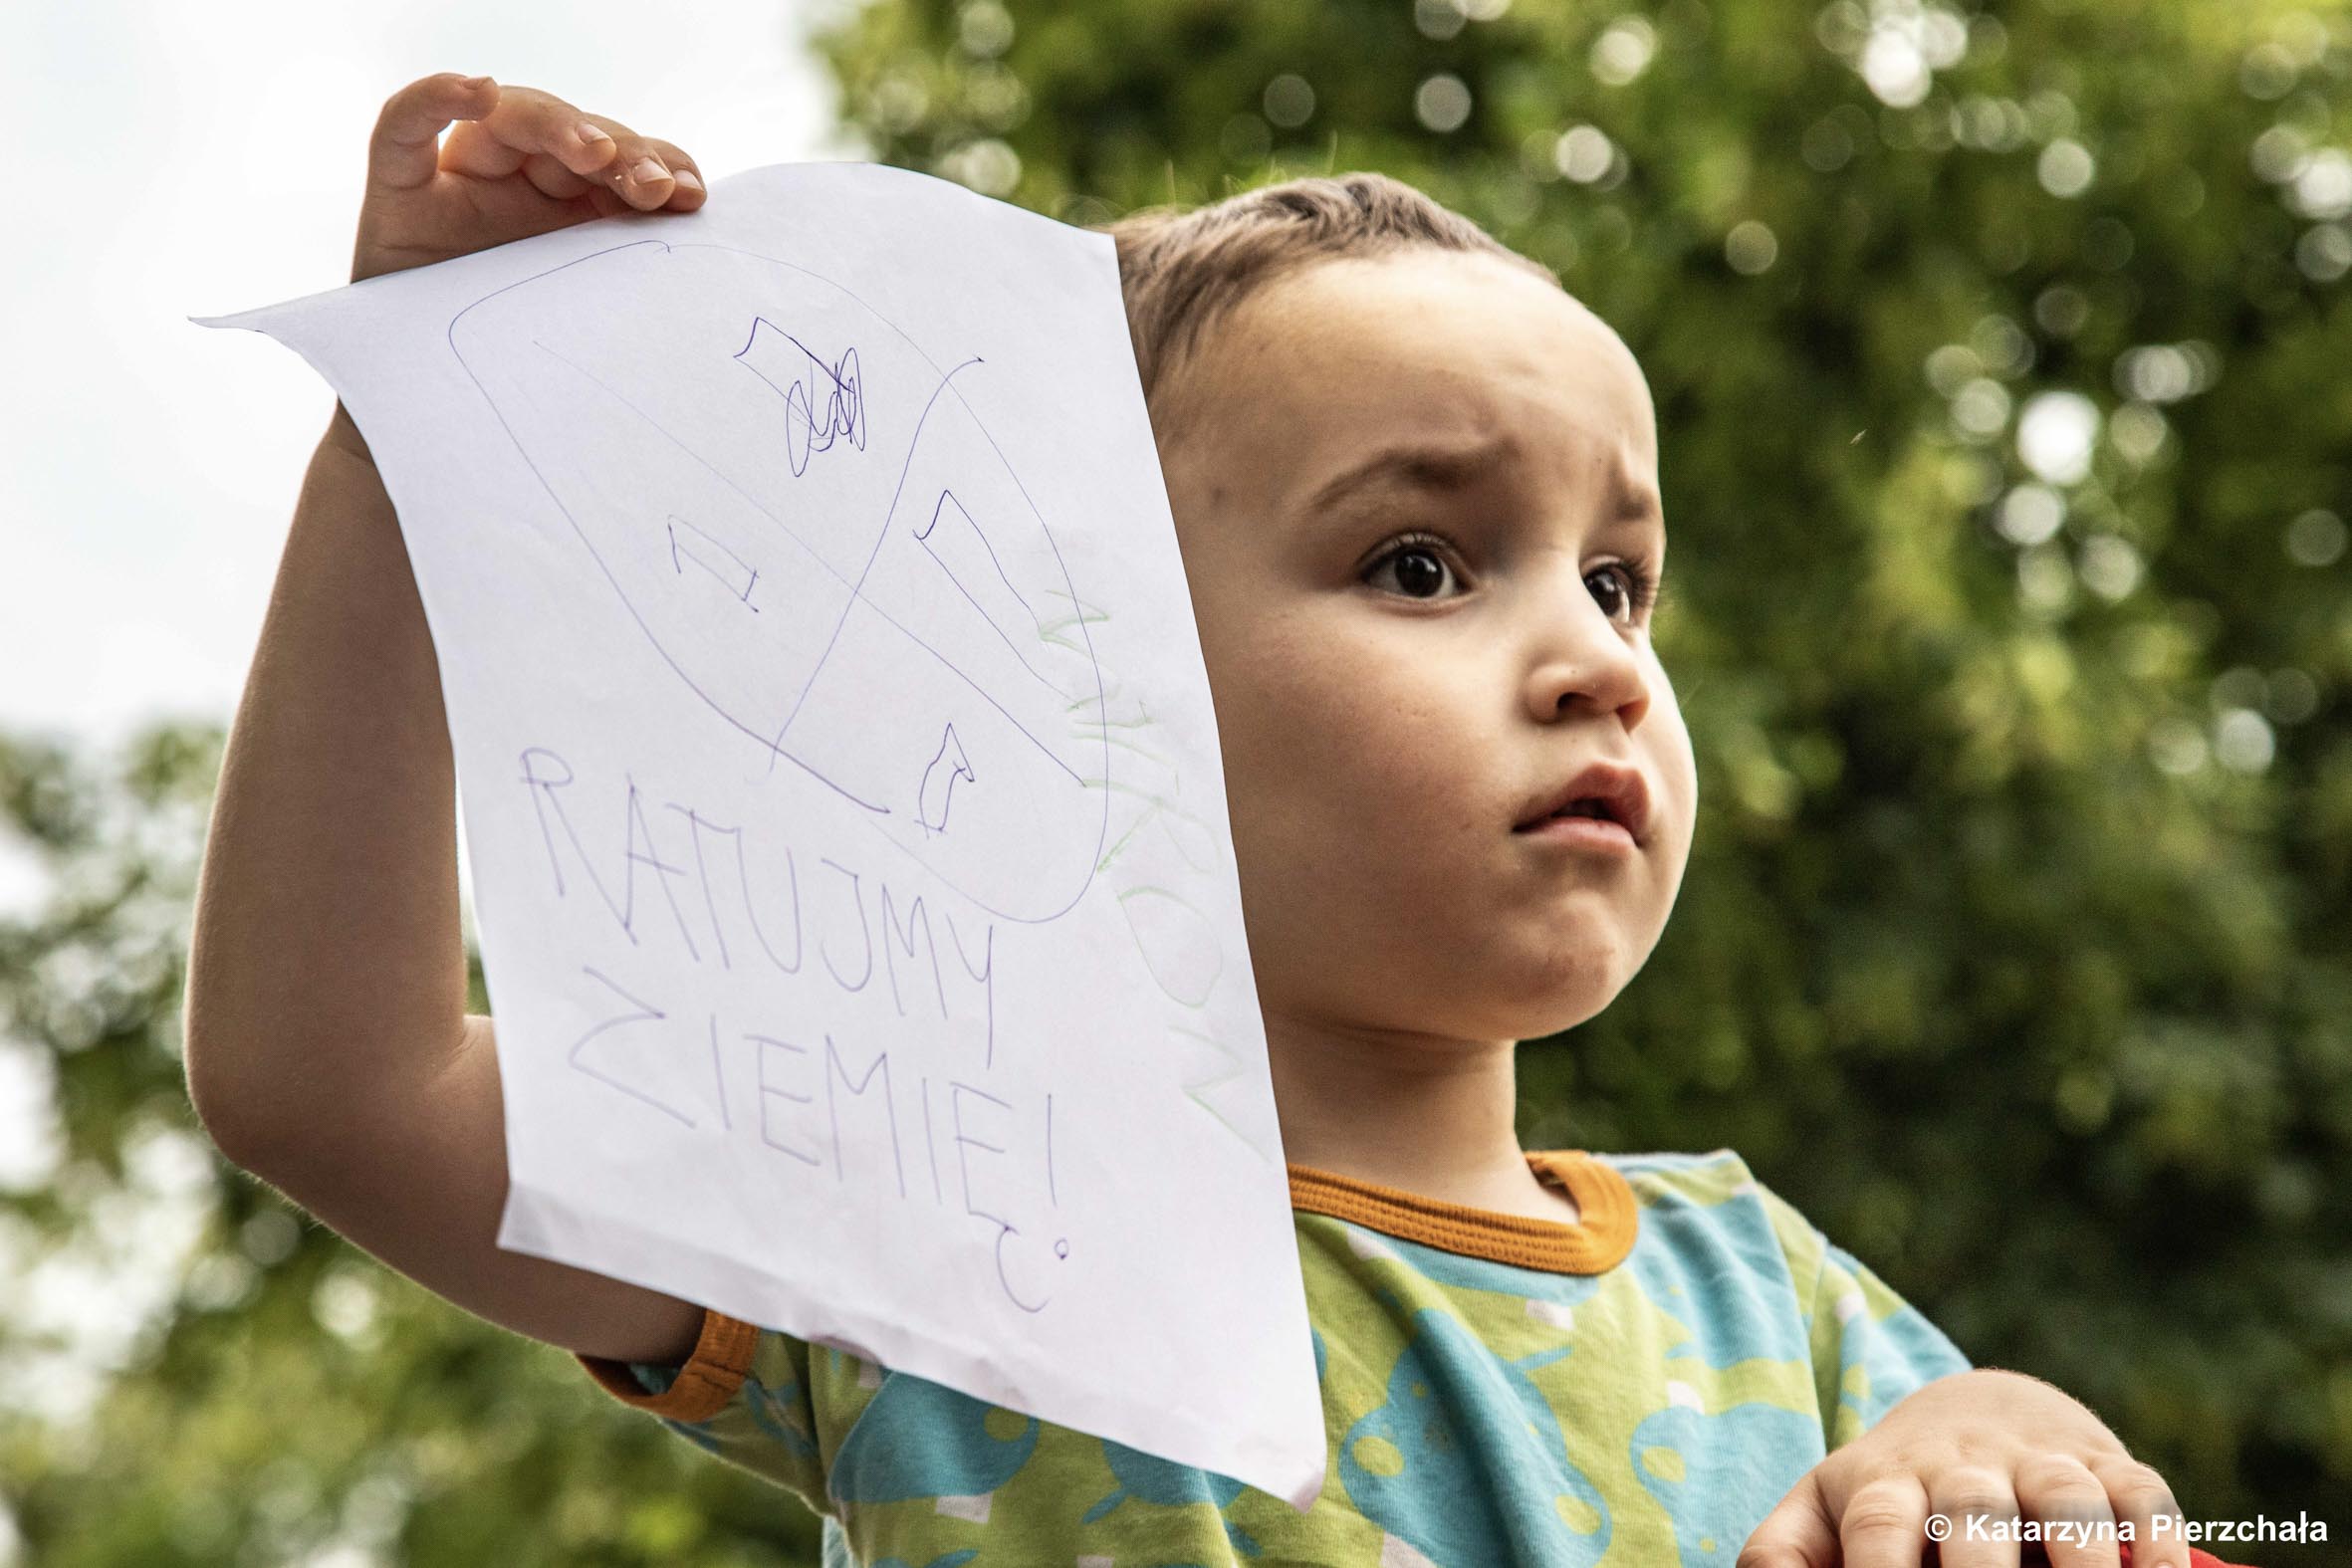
{"x": 180, "y": 161}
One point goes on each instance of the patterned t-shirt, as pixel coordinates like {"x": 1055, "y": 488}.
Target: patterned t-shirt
{"x": 1640, "y": 1387}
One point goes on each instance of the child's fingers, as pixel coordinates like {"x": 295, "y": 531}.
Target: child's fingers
{"x": 1885, "y": 1521}
{"x": 640, "y": 173}
{"x": 475, "y": 151}
{"x": 551, "y": 178}
{"x": 525, "y": 122}
{"x": 504, "y": 130}
{"x": 687, "y": 191}
{"x": 1797, "y": 1533}
{"x": 602, "y": 150}
{"x": 2139, "y": 1495}
{"x": 405, "y": 151}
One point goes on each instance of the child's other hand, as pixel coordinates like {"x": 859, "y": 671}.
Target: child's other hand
{"x": 520, "y": 162}
{"x": 1996, "y": 1444}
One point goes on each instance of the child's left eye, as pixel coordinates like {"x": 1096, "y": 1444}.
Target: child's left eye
{"x": 1428, "y": 564}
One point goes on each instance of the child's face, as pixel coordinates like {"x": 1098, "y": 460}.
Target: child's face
{"x": 1386, "y": 721}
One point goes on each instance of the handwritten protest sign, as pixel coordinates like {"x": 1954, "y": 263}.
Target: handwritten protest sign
{"x": 843, "y": 795}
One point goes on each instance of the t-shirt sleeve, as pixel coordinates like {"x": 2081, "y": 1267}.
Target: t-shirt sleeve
{"x": 1870, "y": 1347}
{"x": 744, "y": 1395}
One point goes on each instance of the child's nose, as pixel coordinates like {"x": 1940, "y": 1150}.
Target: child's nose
{"x": 1582, "y": 660}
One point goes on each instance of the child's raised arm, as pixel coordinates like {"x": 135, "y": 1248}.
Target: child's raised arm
{"x": 328, "y": 1049}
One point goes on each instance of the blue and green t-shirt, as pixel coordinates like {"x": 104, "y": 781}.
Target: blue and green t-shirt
{"x": 1639, "y": 1387}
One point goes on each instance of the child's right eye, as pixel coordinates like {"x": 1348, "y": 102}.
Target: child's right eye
{"x": 1420, "y": 561}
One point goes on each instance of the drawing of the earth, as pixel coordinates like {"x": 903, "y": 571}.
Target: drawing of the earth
{"x": 807, "y": 525}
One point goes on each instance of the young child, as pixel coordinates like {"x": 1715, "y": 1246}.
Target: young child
{"x": 1416, "y": 490}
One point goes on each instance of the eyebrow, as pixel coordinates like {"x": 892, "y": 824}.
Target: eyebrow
{"x": 1444, "y": 470}
{"x": 1450, "y": 470}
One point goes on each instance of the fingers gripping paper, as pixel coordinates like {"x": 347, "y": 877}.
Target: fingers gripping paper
{"x": 842, "y": 794}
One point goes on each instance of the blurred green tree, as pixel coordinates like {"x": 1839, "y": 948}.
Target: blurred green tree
{"x": 2000, "y": 356}
{"x": 2000, "y": 359}
{"x": 198, "y": 1373}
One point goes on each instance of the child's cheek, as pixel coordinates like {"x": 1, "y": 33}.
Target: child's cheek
{"x": 1665, "y": 742}
{"x": 1366, "y": 799}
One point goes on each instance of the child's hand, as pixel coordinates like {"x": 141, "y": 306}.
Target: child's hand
{"x": 1997, "y": 1444}
{"x": 520, "y": 162}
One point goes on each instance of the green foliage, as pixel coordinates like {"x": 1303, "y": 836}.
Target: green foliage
{"x": 198, "y": 1375}
{"x": 2014, "y": 946}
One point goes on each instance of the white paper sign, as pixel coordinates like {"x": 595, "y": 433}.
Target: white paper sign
{"x": 842, "y": 794}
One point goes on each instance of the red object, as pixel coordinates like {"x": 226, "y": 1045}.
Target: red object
{"x": 2198, "y": 1558}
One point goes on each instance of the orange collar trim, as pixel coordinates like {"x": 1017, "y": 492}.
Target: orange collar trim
{"x": 1598, "y": 1241}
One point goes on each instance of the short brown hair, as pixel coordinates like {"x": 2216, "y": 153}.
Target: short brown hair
{"x": 1181, "y": 269}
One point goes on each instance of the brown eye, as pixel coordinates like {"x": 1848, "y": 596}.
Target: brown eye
{"x": 1420, "y": 566}
{"x": 1623, "y": 590}
{"x": 1636, "y": 588}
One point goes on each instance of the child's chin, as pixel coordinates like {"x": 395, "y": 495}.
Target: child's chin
{"x": 1542, "y": 1025}
{"x": 1578, "y": 998}
{"x": 1534, "y": 1015}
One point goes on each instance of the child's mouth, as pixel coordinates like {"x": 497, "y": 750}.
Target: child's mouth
{"x": 1584, "y": 831}
{"x": 1606, "y": 802}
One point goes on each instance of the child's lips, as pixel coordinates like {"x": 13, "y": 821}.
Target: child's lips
{"x": 1615, "y": 790}
{"x": 1584, "y": 832}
